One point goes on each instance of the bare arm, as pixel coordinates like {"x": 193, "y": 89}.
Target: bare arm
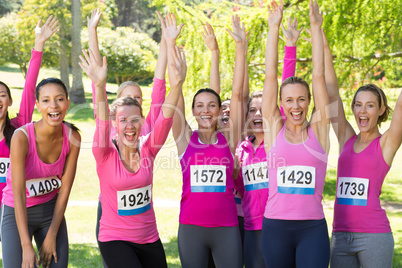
{"x": 18, "y": 153}
{"x": 236, "y": 109}
{"x": 320, "y": 119}
{"x": 342, "y": 128}
{"x": 272, "y": 117}
{"x": 93, "y": 35}
{"x": 48, "y": 248}
{"x": 393, "y": 136}
{"x": 212, "y": 44}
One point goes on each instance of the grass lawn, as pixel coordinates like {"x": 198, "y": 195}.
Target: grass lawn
{"x": 81, "y": 211}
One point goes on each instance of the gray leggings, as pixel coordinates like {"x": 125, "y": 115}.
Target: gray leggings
{"x": 361, "y": 250}
{"x": 39, "y": 219}
{"x": 196, "y": 241}
{"x": 252, "y": 249}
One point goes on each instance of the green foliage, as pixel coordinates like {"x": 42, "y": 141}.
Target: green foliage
{"x": 130, "y": 55}
{"x": 356, "y": 30}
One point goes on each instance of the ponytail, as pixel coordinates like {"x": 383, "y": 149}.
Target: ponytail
{"x": 8, "y": 131}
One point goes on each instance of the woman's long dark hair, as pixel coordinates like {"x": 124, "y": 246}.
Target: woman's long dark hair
{"x": 63, "y": 86}
{"x": 8, "y": 130}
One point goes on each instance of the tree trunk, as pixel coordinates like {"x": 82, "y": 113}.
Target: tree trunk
{"x": 77, "y": 94}
{"x": 64, "y": 67}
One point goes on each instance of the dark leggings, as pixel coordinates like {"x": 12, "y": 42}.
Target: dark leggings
{"x": 121, "y": 254}
{"x": 195, "y": 242}
{"x": 39, "y": 219}
{"x": 289, "y": 244}
{"x": 98, "y": 217}
{"x": 252, "y": 249}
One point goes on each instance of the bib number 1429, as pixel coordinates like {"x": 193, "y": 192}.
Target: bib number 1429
{"x": 296, "y": 180}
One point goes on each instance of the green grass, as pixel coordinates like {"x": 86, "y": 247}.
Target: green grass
{"x": 81, "y": 212}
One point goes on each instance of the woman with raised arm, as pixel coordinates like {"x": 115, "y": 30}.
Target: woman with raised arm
{"x": 131, "y": 89}
{"x": 208, "y": 218}
{"x": 128, "y": 236}
{"x": 253, "y": 178}
{"x": 294, "y": 231}
{"x": 43, "y": 163}
{"x": 27, "y": 105}
{"x": 362, "y": 234}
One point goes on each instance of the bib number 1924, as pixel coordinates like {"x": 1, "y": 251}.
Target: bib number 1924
{"x": 4, "y": 165}
{"x": 134, "y": 201}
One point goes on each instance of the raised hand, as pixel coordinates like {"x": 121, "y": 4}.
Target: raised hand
{"x": 94, "y": 20}
{"x": 239, "y": 32}
{"x": 209, "y": 37}
{"x": 324, "y": 37}
{"x": 169, "y": 27}
{"x": 47, "y": 251}
{"x": 275, "y": 12}
{"x": 291, "y": 34}
{"x": 179, "y": 67}
{"x": 96, "y": 72}
{"x": 42, "y": 34}
{"x": 314, "y": 14}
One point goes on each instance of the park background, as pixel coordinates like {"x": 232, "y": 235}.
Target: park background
{"x": 364, "y": 36}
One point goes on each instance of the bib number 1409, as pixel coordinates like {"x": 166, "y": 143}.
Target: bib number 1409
{"x": 37, "y": 187}
{"x": 296, "y": 180}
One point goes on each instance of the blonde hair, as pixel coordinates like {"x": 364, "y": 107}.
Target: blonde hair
{"x": 127, "y": 84}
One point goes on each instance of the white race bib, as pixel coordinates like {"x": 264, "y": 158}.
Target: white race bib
{"x": 255, "y": 176}
{"x": 208, "y": 178}
{"x": 41, "y": 186}
{"x": 296, "y": 180}
{"x": 134, "y": 201}
{"x": 4, "y": 165}
{"x": 352, "y": 191}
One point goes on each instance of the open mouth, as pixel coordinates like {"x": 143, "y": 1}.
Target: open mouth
{"x": 257, "y": 123}
{"x": 296, "y": 115}
{"x": 54, "y": 116}
{"x": 225, "y": 119}
{"x": 206, "y": 117}
{"x": 363, "y": 121}
{"x": 129, "y": 136}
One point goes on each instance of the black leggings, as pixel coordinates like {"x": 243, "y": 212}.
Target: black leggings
{"x": 122, "y": 254}
{"x": 195, "y": 242}
{"x": 252, "y": 249}
{"x": 289, "y": 244}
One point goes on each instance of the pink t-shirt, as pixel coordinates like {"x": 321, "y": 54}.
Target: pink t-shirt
{"x": 127, "y": 208}
{"x": 254, "y": 179}
{"x": 42, "y": 180}
{"x": 360, "y": 178}
{"x": 24, "y": 116}
{"x": 207, "y": 199}
{"x": 296, "y": 179}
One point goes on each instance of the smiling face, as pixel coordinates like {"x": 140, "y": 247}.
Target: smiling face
{"x": 295, "y": 102}
{"x": 5, "y": 101}
{"x": 224, "y": 115}
{"x": 366, "y": 110}
{"x": 52, "y": 103}
{"x": 128, "y": 122}
{"x": 132, "y": 92}
{"x": 254, "y": 115}
{"x": 206, "y": 110}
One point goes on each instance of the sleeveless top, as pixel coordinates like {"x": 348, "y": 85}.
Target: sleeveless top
{"x": 42, "y": 180}
{"x": 360, "y": 178}
{"x": 296, "y": 179}
{"x": 207, "y": 198}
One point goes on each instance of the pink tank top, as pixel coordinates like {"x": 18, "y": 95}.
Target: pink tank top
{"x": 207, "y": 199}
{"x": 360, "y": 178}
{"x": 42, "y": 180}
{"x": 296, "y": 179}
{"x": 254, "y": 177}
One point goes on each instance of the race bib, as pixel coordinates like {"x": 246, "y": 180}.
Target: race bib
{"x": 41, "y": 186}
{"x": 4, "y": 165}
{"x": 134, "y": 201}
{"x": 296, "y": 180}
{"x": 208, "y": 178}
{"x": 352, "y": 191}
{"x": 255, "y": 176}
